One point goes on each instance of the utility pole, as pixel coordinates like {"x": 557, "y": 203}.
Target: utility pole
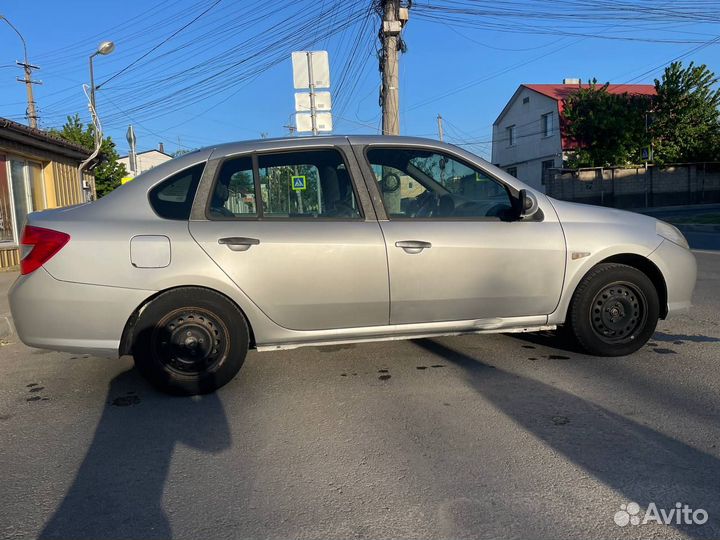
{"x": 393, "y": 20}
{"x": 27, "y": 79}
{"x": 440, "y": 126}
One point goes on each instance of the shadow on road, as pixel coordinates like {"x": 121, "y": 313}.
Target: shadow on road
{"x": 695, "y": 338}
{"x": 118, "y": 490}
{"x": 638, "y": 462}
{"x": 556, "y": 340}
{"x": 551, "y": 339}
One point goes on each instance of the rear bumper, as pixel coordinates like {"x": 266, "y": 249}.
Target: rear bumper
{"x": 72, "y": 317}
{"x": 679, "y": 269}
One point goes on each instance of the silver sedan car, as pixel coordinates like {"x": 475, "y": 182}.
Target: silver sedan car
{"x": 277, "y": 244}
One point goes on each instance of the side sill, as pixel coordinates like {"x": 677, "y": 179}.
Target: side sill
{"x": 399, "y": 337}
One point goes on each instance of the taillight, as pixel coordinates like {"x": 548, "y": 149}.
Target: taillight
{"x": 43, "y": 244}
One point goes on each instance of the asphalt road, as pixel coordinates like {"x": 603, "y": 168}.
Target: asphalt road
{"x": 468, "y": 437}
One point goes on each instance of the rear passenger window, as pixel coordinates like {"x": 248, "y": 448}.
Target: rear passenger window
{"x": 234, "y": 191}
{"x": 308, "y": 184}
{"x": 173, "y": 198}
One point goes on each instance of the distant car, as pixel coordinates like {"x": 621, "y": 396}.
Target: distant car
{"x": 277, "y": 244}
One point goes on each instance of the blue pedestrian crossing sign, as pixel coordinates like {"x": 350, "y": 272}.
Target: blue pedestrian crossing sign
{"x": 299, "y": 183}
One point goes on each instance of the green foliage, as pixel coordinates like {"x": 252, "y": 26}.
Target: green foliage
{"x": 608, "y": 128}
{"x": 685, "y": 123}
{"x": 108, "y": 171}
{"x": 682, "y": 121}
{"x": 182, "y": 151}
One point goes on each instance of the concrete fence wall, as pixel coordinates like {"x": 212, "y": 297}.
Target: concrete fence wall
{"x": 637, "y": 187}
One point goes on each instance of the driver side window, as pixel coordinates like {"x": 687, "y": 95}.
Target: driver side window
{"x": 418, "y": 183}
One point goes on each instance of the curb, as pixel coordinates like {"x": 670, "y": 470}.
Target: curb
{"x": 6, "y": 326}
{"x": 676, "y": 208}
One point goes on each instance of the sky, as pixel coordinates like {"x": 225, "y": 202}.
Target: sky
{"x": 195, "y": 73}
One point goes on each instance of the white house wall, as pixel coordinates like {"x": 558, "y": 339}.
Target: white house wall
{"x": 146, "y": 160}
{"x": 531, "y": 147}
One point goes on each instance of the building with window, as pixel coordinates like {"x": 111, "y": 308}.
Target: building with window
{"x": 145, "y": 160}
{"x": 37, "y": 172}
{"x": 528, "y": 135}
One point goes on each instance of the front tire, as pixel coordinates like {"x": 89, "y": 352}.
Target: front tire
{"x": 190, "y": 341}
{"x": 614, "y": 310}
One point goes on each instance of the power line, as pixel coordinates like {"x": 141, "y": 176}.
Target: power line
{"x": 131, "y": 64}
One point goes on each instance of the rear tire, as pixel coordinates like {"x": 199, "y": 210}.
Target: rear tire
{"x": 614, "y": 310}
{"x": 190, "y": 341}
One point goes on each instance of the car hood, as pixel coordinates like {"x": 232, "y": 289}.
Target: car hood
{"x": 585, "y": 213}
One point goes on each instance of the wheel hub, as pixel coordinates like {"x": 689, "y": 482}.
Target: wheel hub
{"x": 190, "y": 340}
{"x": 618, "y": 312}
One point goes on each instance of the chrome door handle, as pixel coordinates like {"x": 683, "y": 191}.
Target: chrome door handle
{"x": 239, "y": 243}
{"x": 413, "y": 246}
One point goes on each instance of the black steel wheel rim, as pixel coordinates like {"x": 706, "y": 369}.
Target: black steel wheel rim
{"x": 618, "y": 312}
{"x": 190, "y": 341}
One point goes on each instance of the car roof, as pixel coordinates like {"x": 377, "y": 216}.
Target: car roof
{"x": 320, "y": 140}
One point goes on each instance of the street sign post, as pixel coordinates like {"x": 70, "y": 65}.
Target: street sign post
{"x": 311, "y": 70}
{"x": 314, "y": 73}
{"x": 323, "y": 101}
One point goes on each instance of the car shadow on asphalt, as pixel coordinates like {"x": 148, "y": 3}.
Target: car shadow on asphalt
{"x": 118, "y": 489}
{"x": 638, "y": 462}
{"x": 551, "y": 339}
{"x": 560, "y": 341}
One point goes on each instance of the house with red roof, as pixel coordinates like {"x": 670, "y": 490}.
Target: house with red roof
{"x": 528, "y": 135}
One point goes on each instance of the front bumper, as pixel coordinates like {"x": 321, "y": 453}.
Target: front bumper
{"x": 679, "y": 268}
{"x": 72, "y": 317}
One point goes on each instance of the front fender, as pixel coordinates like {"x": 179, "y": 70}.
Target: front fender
{"x": 577, "y": 269}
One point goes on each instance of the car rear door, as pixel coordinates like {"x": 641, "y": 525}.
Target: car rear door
{"x": 293, "y": 231}
{"x": 454, "y": 251}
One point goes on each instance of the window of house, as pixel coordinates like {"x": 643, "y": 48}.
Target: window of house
{"x": 234, "y": 191}
{"x": 510, "y": 135}
{"x": 419, "y": 183}
{"x": 546, "y": 166}
{"x": 173, "y": 198}
{"x": 512, "y": 171}
{"x": 22, "y": 191}
{"x": 546, "y": 124}
{"x": 307, "y": 184}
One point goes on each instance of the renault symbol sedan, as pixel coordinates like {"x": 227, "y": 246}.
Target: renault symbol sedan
{"x": 277, "y": 244}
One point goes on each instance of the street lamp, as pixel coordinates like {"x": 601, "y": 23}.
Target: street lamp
{"x": 105, "y": 47}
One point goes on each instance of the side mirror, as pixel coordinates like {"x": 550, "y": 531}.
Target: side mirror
{"x": 528, "y": 203}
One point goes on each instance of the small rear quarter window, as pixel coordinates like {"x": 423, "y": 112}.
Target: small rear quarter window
{"x": 173, "y": 197}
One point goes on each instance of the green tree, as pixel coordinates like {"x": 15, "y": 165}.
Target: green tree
{"x": 182, "y": 151}
{"x": 685, "y": 124}
{"x": 108, "y": 171}
{"x": 608, "y": 129}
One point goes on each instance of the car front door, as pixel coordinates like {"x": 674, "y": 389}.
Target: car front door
{"x": 456, "y": 247}
{"x": 289, "y": 229}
